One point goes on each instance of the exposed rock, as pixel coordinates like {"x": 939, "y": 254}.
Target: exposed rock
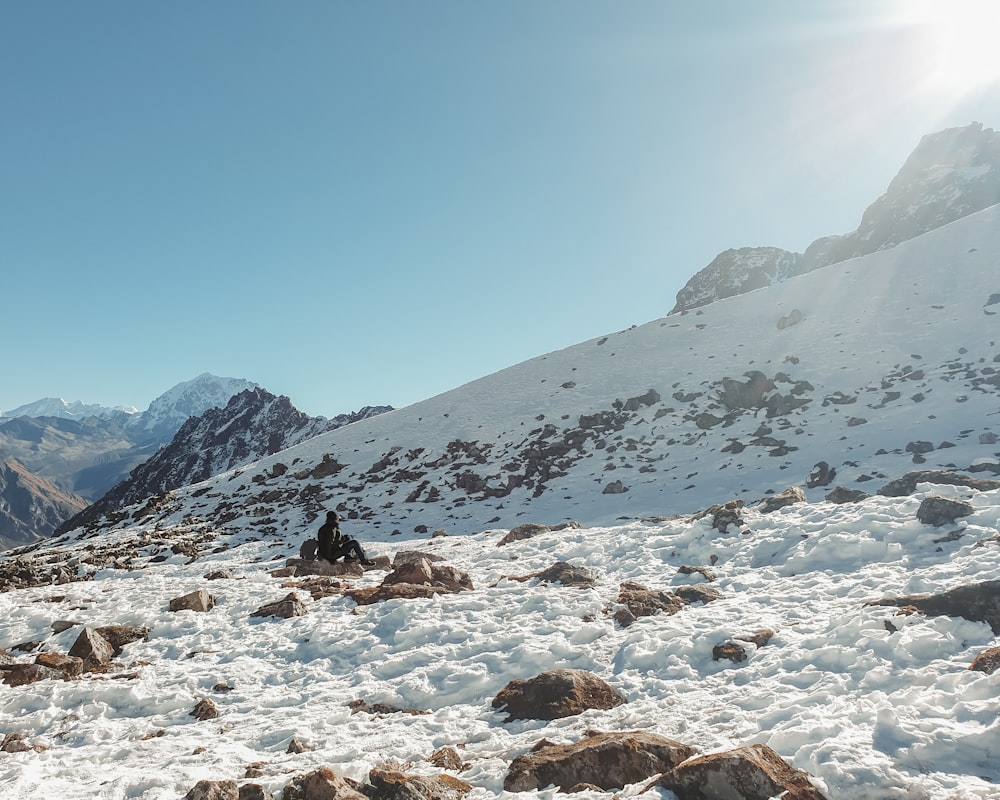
{"x": 729, "y": 651}
{"x": 643, "y": 602}
{"x": 254, "y": 791}
{"x": 15, "y": 743}
{"x": 753, "y": 772}
{"x": 286, "y": 608}
{"x": 213, "y": 790}
{"x": 822, "y": 475}
{"x": 446, "y": 758}
{"x": 295, "y": 747}
{"x": 359, "y": 706}
{"x": 394, "y": 785}
{"x": 938, "y": 511}
{"x": 979, "y": 602}
{"x": 120, "y": 635}
{"x": 69, "y": 666}
{"x": 323, "y": 784}
{"x": 555, "y": 694}
{"x": 791, "y": 495}
{"x": 740, "y": 395}
{"x": 525, "y": 531}
{"x": 907, "y": 485}
{"x": 758, "y": 638}
{"x": 407, "y": 556}
{"x": 198, "y": 600}
{"x": 204, "y": 709}
{"x": 299, "y": 566}
{"x": 604, "y": 760}
{"x": 841, "y": 495}
{"x": 23, "y": 674}
{"x": 705, "y": 572}
{"x": 568, "y": 575}
{"x": 95, "y": 651}
{"x": 987, "y": 661}
{"x": 615, "y": 487}
{"x": 697, "y": 594}
{"x": 423, "y": 572}
{"x": 723, "y": 515}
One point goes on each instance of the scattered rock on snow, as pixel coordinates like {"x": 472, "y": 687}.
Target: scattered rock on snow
{"x": 841, "y": 495}
{"x": 979, "y": 602}
{"x": 555, "y": 694}
{"x": 204, "y": 710}
{"x": 987, "y": 661}
{"x": 213, "y": 790}
{"x": 791, "y": 495}
{"x": 906, "y": 485}
{"x": 446, "y": 758}
{"x": 525, "y": 531}
{"x": 322, "y": 784}
{"x": 604, "y": 760}
{"x": 938, "y": 511}
{"x": 389, "y": 784}
{"x": 286, "y": 608}
{"x": 95, "y": 651}
{"x": 198, "y": 600}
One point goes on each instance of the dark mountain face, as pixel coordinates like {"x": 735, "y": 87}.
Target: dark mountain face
{"x": 951, "y": 174}
{"x": 254, "y": 424}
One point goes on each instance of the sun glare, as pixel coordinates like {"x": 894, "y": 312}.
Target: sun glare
{"x": 965, "y": 41}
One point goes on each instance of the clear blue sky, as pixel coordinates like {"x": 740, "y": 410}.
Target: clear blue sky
{"x": 358, "y": 203}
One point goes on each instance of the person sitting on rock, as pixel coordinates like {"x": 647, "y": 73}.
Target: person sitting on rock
{"x": 333, "y": 544}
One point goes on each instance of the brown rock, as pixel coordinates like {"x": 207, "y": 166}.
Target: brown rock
{"x": 198, "y": 600}
{"x": 555, "y": 694}
{"x": 979, "y": 602}
{"x": 525, "y": 531}
{"x": 394, "y": 785}
{"x": 213, "y": 790}
{"x": 754, "y": 772}
{"x": 204, "y": 710}
{"x": 731, "y": 651}
{"x": 69, "y": 666}
{"x": 94, "y": 649}
{"x": 323, "y": 784}
{"x": 643, "y": 602}
{"x": 23, "y": 674}
{"x": 120, "y": 635}
{"x": 791, "y": 495}
{"x": 604, "y": 760}
{"x": 254, "y": 791}
{"x": 446, "y": 758}
{"x": 15, "y": 743}
{"x": 423, "y": 572}
{"x": 987, "y": 661}
{"x": 286, "y": 608}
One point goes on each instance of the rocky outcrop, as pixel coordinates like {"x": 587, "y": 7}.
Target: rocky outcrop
{"x": 413, "y": 579}
{"x": 938, "y": 511}
{"x": 555, "y": 694}
{"x": 950, "y": 174}
{"x": 753, "y": 772}
{"x": 979, "y": 602}
{"x": 907, "y": 484}
{"x": 605, "y": 760}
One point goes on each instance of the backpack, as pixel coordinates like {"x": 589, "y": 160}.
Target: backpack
{"x": 309, "y": 549}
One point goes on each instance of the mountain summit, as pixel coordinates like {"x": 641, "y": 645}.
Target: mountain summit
{"x": 951, "y": 173}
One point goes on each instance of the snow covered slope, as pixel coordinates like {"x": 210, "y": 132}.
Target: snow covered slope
{"x": 874, "y": 367}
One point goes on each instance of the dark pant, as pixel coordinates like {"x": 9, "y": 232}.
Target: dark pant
{"x": 349, "y": 548}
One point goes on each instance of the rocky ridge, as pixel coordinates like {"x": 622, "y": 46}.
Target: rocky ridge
{"x": 950, "y": 174}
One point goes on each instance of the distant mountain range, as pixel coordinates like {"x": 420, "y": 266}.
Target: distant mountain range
{"x": 951, "y": 174}
{"x": 70, "y": 455}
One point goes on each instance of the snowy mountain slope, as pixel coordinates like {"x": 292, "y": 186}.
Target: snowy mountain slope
{"x": 950, "y": 174}
{"x": 890, "y": 368}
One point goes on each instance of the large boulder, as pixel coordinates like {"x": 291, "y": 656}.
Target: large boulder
{"x": 120, "y": 635}
{"x": 605, "y": 760}
{"x": 938, "y": 511}
{"x": 94, "y": 649}
{"x": 791, "y": 495}
{"x": 287, "y": 607}
{"x": 907, "y": 485}
{"x": 555, "y": 694}
{"x": 322, "y": 784}
{"x": 387, "y": 784}
{"x": 213, "y": 790}
{"x": 753, "y": 772}
{"x": 198, "y": 600}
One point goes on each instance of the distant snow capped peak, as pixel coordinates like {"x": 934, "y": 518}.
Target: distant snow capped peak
{"x": 171, "y": 409}
{"x": 57, "y": 407}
